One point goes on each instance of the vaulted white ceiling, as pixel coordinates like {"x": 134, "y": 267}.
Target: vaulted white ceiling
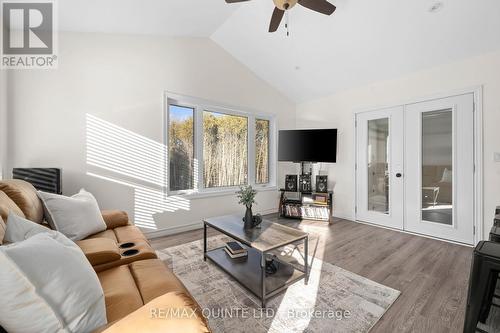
{"x": 362, "y": 42}
{"x": 196, "y": 18}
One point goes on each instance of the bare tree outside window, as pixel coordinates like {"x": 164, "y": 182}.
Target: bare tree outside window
{"x": 261, "y": 151}
{"x": 225, "y": 152}
{"x": 181, "y": 148}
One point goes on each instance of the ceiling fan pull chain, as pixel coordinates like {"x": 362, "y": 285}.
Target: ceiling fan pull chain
{"x": 287, "y": 23}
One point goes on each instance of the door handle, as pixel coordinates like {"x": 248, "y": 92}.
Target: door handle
{"x": 399, "y": 175}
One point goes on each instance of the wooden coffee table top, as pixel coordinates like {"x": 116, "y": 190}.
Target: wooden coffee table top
{"x": 270, "y": 236}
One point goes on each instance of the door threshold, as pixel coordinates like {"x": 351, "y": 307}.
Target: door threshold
{"x": 415, "y": 233}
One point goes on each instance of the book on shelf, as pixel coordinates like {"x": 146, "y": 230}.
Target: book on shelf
{"x": 304, "y": 211}
{"x": 307, "y": 200}
{"x": 235, "y": 248}
{"x": 234, "y": 256}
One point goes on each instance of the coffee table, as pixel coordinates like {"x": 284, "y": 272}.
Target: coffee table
{"x": 260, "y": 243}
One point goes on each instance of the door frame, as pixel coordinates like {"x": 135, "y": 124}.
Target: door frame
{"x": 477, "y": 92}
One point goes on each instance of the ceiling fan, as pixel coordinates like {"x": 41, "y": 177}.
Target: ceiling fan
{"x": 281, "y": 6}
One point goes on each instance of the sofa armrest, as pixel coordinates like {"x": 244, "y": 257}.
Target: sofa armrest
{"x": 171, "y": 313}
{"x": 99, "y": 250}
{"x": 115, "y": 218}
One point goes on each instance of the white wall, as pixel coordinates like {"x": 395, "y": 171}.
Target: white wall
{"x": 120, "y": 80}
{"x": 3, "y": 121}
{"x": 337, "y": 111}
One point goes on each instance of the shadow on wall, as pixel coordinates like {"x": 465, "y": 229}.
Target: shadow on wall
{"x": 121, "y": 156}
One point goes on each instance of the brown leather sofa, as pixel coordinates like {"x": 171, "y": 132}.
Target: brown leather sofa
{"x": 138, "y": 288}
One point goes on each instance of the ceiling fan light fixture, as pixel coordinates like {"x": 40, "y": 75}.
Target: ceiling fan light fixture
{"x": 283, "y": 6}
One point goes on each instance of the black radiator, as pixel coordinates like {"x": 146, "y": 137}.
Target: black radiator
{"x": 43, "y": 179}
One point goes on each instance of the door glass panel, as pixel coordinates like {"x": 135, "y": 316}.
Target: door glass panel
{"x": 437, "y": 166}
{"x": 378, "y": 165}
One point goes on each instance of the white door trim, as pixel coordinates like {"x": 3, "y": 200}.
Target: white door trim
{"x": 477, "y": 91}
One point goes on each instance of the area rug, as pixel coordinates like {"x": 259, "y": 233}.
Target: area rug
{"x": 334, "y": 300}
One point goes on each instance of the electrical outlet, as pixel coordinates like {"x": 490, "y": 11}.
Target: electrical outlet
{"x": 496, "y": 157}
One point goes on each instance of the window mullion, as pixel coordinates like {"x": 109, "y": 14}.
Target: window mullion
{"x": 251, "y": 150}
{"x": 198, "y": 135}
{"x": 166, "y": 145}
{"x": 273, "y": 152}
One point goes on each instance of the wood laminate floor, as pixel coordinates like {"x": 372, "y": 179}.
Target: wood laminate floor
{"x": 432, "y": 275}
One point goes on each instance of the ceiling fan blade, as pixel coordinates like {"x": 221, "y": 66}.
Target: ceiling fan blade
{"x": 320, "y": 6}
{"x": 276, "y": 19}
{"x": 234, "y": 1}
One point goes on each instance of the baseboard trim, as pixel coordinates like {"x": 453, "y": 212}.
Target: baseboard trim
{"x": 267, "y": 211}
{"x": 173, "y": 230}
{"x": 344, "y": 217}
{"x": 189, "y": 227}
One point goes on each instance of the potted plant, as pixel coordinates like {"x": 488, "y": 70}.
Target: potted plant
{"x": 246, "y": 196}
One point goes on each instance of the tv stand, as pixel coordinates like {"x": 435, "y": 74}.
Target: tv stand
{"x": 316, "y": 206}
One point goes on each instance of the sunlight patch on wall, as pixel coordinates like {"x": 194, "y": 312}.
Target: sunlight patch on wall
{"x": 122, "y": 151}
{"x": 149, "y": 202}
{"x": 121, "y": 156}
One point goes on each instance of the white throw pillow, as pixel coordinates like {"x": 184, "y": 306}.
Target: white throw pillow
{"x": 19, "y": 229}
{"x": 77, "y": 217}
{"x": 47, "y": 285}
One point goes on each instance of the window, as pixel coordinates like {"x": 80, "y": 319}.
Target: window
{"x": 261, "y": 151}
{"x": 213, "y": 148}
{"x": 181, "y": 148}
{"x": 225, "y": 150}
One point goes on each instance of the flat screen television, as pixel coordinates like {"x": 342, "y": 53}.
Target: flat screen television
{"x": 312, "y": 145}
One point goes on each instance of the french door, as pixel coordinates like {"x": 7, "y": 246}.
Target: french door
{"x": 379, "y": 167}
{"x": 415, "y": 168}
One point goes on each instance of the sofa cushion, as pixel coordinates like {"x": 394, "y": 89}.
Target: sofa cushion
{"x": 77, "y": 216}
{"x": 7, "y": 206}
{"x": 120, "y": 292}
{"x": 24, "y": 195}
{"x": 153, "y": 279}
{"x": 109, "y": 234}
{"x": 155, "y": 317}
{"x": 128, "y": 233}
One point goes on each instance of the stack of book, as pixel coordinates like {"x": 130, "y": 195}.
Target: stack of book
{"x": 314, "y": 212}
{"x": 235, "y": 250}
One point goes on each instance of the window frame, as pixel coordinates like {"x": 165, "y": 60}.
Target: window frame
{"x": 268, "y": 149}
{"x": 199, "y": 106}
{"x": 167, "y": 148}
